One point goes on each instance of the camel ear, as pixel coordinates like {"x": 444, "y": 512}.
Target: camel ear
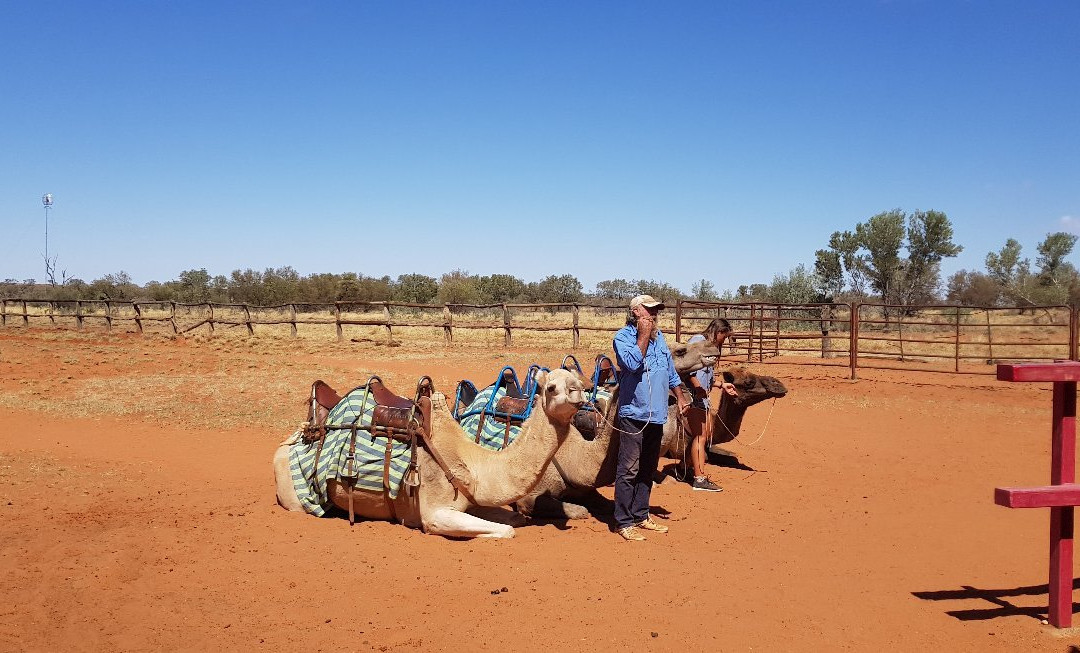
{"x": 541, "y": 379}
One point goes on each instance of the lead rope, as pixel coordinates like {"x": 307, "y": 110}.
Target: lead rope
{"x": 760, "y": 435}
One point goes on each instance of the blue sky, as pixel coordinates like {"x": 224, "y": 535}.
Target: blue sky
{"x": 672, "y": 141}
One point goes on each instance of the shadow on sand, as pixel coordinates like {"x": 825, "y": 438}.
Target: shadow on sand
{"x": 996, "y": 597}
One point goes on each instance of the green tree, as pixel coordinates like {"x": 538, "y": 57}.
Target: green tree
{"x": 320, "y": 288}
{"x": 246, "y": 287}
{"x": 929, "y": 240}
{"x": 755, "y": 292}
{"x": 662, "y": 291}
{"x": 973, "y": 288}
{"x": 829, "y": 272}
{"x": 564, "y": 288}
{"x": 1011, "y": 273}
{"x": 797, "y": 287}
{"x": 1053, "y": 269}
{"x": 615, "y": 289}
{"x": 280, "y": 285}
{"x": 704, "y": 291}
{"x": 193, "y": 286}
{"x": 500, "y": 288}
{"x": 871, "y": 255}
{"x": 458, "y": 287}
{"x": 416, "y": 289}
{"x": 118, "y": 286}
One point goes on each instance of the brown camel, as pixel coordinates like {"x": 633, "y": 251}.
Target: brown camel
{"x": 491, "y": 479}
{"x": 583, "y": 464}
{"x": 727, "y": 420}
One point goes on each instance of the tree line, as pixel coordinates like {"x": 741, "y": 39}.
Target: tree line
{"x": 893, "y": 257}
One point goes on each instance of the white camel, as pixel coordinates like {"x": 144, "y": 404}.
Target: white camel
{"x": 489, "y": 479}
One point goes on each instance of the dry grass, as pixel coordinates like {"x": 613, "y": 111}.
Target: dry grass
{"x": 927, "y": 340}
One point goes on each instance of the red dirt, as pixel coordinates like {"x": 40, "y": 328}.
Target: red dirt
{"x": 863, "y": 521}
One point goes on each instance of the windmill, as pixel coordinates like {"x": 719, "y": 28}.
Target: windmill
{"x": 50, "y": 265}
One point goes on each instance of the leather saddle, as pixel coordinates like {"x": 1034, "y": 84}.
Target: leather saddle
{"x": 393, "y": 417}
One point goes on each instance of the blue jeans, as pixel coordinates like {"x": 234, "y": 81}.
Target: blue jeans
{"x": 639, "y": 453}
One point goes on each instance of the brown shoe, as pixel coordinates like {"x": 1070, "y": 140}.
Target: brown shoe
{"x": 650, "y": 525}
{"x": 631, "y": 534}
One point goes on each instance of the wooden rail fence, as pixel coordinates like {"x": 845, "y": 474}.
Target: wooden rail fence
{"x": 868, "y": 335}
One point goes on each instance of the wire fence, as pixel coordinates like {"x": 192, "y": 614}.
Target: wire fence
{"x": 934, "y": 338}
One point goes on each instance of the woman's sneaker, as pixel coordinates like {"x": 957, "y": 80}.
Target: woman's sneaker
{"x": 704, "y": 484}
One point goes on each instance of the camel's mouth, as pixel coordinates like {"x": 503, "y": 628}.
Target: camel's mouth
{"x": 776, "y": 388}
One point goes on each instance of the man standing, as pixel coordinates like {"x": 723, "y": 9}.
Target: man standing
{"x": 646, "y": 373}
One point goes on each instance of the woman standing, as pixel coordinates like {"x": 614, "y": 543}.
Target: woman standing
{"x": 700, "y": 383}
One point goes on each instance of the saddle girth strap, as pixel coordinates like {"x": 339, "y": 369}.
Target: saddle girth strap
{"x": 441, "y": 462}
{"x": 386, "y": 479}
{"x": 480, "y": 427}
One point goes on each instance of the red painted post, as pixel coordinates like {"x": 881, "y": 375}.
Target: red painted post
{"x": 1062, "y": 490}
{"x": 1062, "y": 470}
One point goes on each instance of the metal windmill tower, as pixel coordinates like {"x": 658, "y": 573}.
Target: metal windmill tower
{"x": 47, "y": 202}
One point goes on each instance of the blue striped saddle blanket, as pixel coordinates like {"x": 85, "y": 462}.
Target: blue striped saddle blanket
{"x": 495, "y": 431}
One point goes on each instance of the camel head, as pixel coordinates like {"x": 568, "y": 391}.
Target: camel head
{"x": 560, "y": 394}
{"x": 693, "y": 356}
{"x": 752, "y": 389}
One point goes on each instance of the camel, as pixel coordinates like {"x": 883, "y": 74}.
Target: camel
{"x": 583, "y": 464}
{"x": 589, "y": 459}
{"x": 688, "y": 358}
{"x": 490, "y": 479}
{"x": 727, "y": 420}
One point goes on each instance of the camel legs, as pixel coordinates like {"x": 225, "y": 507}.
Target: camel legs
{"x": 548, "y": 506}
{"x": 454, "y": 523}
{"x": 498, "y": 514}
{"x": 286, "y": 493}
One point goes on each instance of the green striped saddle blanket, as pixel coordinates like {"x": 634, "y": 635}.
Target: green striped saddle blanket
{"x": 369, "y": 457}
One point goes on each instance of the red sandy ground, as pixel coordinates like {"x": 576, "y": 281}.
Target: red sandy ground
{"x": 863, "y": 521}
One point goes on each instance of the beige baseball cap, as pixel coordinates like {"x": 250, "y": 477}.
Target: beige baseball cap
{"x": 648, "y": 301}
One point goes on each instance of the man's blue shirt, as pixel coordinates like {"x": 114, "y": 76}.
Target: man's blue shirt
{"x": 644, "y": 381}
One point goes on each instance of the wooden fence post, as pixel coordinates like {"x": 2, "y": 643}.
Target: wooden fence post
{"x": 956, "y": 350}
{"x": 292, "y": 323}
{"x": 761, "y": 334}
{"x": 108, "y": 316}
{"x": 678, "y": 321}
{"x": 900, "y": 330}
{"x": 853, "y": 333}
{"x": 506, "y": 325}
{"x": 52, "y": 311}
{"x": 247, "y": 320}
{"x": 826, "y": 326}
{"x": 210, "y": 317}
{"x": 3, "y": 312}
{"x": 577, "y": 329}
{"x": 750, "y": 336}
{"x": 25, "y": 315}
{"x": 989, "y": 336}
{"x": 172, "y": 317}
{"x": 1073, "y": 335}
{"x": 386, "y": 316}
{"x": 448, "y": 324}
{"x": 337, "y": 321}
{"x": 138, "y": 316}
{"x": 776, "y": 342}
{"x": 78, "y": 314}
